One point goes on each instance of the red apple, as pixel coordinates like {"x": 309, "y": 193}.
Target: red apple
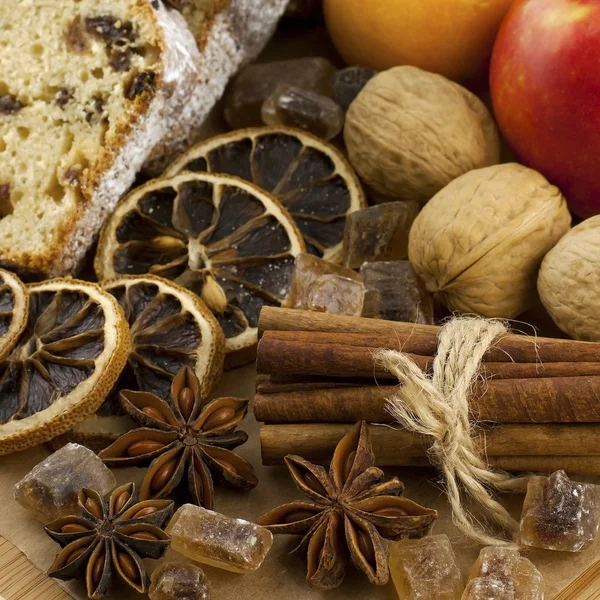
{"x": 545, "y": 82}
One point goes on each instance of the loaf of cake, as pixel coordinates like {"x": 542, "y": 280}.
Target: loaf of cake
{"x": 90, "y": 91}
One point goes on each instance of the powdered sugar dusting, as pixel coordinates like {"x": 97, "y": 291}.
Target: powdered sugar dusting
{"x": 190, "y": 85}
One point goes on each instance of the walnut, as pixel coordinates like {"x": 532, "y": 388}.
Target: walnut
{"x": 569, "y": 282}
{"x": 479, "y": 242}
{"x": 409, "y": 133}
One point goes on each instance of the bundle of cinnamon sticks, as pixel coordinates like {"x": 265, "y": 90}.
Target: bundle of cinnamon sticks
{"x": 537, "y": 404}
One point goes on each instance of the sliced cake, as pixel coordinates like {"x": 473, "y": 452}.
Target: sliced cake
{"x": 89, "y": 91}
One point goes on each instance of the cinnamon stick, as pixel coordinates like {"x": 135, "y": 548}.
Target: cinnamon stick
{"x": 293, "y": 357}
{"x": 426, "y": 345}
{"x": 583, "y": 465}
{"x": 414, "y": 343}
{"x": 544, "y": 400}
{"x": 331, "y": 359}
{"x": 519, "y": 348}
{"x": 289, "y": 319}
{"x": 351, "y": 355}
{"x": 545, "y": 445}
{"x": 273, "y": 384}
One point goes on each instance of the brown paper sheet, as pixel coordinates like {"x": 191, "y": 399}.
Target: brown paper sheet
{"x": 282, "y": 575}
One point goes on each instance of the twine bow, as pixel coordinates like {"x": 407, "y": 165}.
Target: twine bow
{"x": 438, "y": 406}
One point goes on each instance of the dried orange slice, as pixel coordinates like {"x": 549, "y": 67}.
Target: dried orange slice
{"x": 170, "y": 328}
{"x": 308, "y": 176}
{"x": 223, "y": 238}
{"x": 14, "y": 308}
{"x": 64, "y": 364}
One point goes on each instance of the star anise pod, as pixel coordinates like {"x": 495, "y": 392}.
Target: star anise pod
{"x": 350, "y": 513}
{"x": 187, "y": 435}
{"x": 112, "y": 534}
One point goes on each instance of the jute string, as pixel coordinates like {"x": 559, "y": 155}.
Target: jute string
{"x": 438, "y": 406}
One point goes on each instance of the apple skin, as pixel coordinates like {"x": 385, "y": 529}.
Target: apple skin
{"x": 545, "y": 84}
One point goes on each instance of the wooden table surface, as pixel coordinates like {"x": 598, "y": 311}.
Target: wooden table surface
{"x": 20, "y": 580}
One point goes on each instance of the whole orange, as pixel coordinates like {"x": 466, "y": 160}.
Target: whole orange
{"x": 451, "y": 37}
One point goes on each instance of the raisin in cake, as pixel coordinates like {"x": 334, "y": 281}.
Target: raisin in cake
{"x": 89, "y": 90}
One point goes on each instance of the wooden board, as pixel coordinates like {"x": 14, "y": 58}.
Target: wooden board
{"x": 585, "y": 587}
{"x": 20, "y": 580}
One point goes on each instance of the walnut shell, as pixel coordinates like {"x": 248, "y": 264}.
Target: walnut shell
{"x": 478, "y": 243}
{"x": 409, "y": 133}
{"x": 569, "y": 282}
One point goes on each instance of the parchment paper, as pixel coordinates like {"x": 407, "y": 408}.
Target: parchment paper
{"x": 282, "y": 575}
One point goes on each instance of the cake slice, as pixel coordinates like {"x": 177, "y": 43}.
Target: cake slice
{"x": 89, "y": 91}
{"x": 86, "y": 91}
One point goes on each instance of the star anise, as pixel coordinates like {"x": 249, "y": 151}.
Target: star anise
{"x": 187, "y": 434}
{"x": 112, "y": 534}
{"x": 351, "y": 511}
